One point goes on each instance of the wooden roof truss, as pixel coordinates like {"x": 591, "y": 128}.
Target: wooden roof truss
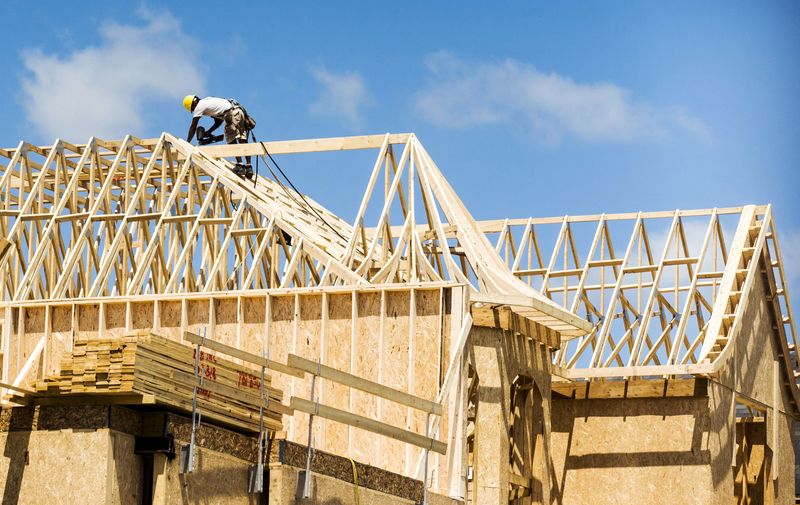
{"x": 665, "y": 291}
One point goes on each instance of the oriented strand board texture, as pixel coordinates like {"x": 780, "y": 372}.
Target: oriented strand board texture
{"x": 365, "y": 364}
{"x": 499, "y": 357}
{"x": 70, "y": 467}
{"x": 755, "y": 348}
{"x": 394, "y": 337}
{"x": 640, "y": 450}
{"x": 329, "y": 491}
{"x": 337, "y": 354}
{"x": 218, "y": 478}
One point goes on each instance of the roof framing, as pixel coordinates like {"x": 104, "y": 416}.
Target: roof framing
{"x": 666, "y": 306}
{"x": 160, "y": 216}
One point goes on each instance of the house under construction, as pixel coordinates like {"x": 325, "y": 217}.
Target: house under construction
{"x": 172, "y": 333}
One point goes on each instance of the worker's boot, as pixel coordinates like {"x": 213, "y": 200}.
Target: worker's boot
{"x": 240, "y": 170}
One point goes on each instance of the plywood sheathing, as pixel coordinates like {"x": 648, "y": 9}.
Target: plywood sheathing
{"x": 498, "y": 358}
{"x": 284, "y": 483}
{"x": 323, "y": 463}
{"x": 70, "y": 466}
{"x": 77, "y": 417}
{"x": 672, "y": 449}
{"x": 663, "y": 451}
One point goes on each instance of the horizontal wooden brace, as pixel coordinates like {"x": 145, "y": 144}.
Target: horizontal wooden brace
{"x": 365, "y": 385}
{"x": 368, "y": 424}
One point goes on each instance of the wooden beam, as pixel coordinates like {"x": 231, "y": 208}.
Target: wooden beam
{"x": 637, "y": 388}
{"x": 305, "y": 146}
{"x": 368, "y": 386}
{"x": 368, "y": 424}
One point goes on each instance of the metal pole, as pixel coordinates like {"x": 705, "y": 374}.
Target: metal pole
{"x": 196, "y": 415}
{"x": 307, "y": 482}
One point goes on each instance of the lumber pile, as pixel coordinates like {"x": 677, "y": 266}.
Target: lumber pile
{"x": 156, "y": 367}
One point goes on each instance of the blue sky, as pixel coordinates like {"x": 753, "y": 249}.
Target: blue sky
{"x": 528, "y": 108}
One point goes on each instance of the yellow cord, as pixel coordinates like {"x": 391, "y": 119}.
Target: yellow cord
{"x": 355, "y": 479}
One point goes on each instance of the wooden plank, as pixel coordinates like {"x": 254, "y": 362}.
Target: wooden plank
{"x": 18, "y": 389}
{"x": 367, "y": 424}
{"x": 243, "y": 355}
{"x": 368, "y": 386}
{"x": 638, "y": 371}
{"x": 637, "y": 388}
{"x": 305, "y": 146}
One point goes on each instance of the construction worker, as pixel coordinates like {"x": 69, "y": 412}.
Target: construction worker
{"x": 237, "y": 124}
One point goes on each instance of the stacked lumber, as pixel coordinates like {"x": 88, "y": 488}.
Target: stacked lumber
{"x": 155, "y": 367}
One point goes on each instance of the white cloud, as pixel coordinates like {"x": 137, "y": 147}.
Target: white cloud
{"x": 105, "y": 90}
{"x": 343, "y": 96}
{"x": 462, "y": 93}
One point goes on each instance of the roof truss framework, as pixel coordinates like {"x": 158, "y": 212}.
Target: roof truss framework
{"x": 160, "y": 216}
{"x": 658, "y": 305}
{"x": 660, "y": 292}
{"x": 129, "y": 219}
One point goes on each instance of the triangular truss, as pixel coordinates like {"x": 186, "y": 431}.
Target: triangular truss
{"x": 130, "y": 218}
{"x": 663, "y": 290}
{"x": 160, "y": 216}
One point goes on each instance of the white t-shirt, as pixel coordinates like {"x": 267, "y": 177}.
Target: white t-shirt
{"x": 211, "y": 106}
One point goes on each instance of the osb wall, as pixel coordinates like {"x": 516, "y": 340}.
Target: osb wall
{"x": 217, "y": 478}
{"x": 636, "y": 450}
{"x": 751, "y": 371}
{"x": 284, "y": 482}
{"x": 67, "y": 466}
{"x": 397, "y": 337}
{"x": 676, "y": 450}
{"x": 498, "y": 357}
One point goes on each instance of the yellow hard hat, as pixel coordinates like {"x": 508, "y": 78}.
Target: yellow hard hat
{"x": 187, "y": 102}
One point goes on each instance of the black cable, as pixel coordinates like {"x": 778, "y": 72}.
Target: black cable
{"x": 307, "y": 203}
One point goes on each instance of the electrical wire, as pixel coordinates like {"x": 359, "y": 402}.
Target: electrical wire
{"x": 277, "y": 179}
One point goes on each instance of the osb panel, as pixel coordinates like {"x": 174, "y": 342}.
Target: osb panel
{"x": 218, "y": 478}
{"x": 491, "y": 445}
{"x": 226, "y": 315}
{"x": 640, "y": 450}
{"x": 253, "y": 326}
{"x": 171, "y": 319}
{"x": 328, "y": 490}
{"x": 47, "y": 466}
{"x": 88, "y": 319}
{"x": 34, "y": 331}
{"x": 197, "y": 320}
{"x": 280, "y": 341}
{"x": 125, "y": 471}
{"x": 395, "y": 372}
{"x": 785, "y": 485}
{"x": 60, "y": 337}
{"x": 307, "y": 345}
{"x": 142, "y": 316}
{"x": 365, "y": 364}
{"x": 337, "y": 355}
{"x": 115, "y": 320}
{"x": 755, "y": 349}
{"x": 425, "y": 365}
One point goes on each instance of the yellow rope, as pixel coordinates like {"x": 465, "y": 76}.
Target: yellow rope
{"x": 355, "y": 479}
